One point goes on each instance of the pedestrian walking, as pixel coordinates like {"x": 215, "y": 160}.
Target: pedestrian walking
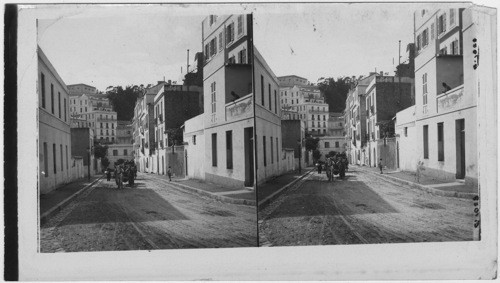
{"x": 380, "y": 166}
{"x": 169, "y": 172}
{"x": 108, "y": 174}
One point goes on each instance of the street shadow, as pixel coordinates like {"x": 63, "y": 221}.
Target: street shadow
{"x": 107, "y": 204}
{"x": 322, "y": 198}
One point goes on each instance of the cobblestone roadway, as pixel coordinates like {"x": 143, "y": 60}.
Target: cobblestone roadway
{"x": 362, "y": 209}
{"x": 151, "y": 215}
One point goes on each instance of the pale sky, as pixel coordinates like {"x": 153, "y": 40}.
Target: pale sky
{"x": 118, "y": 46}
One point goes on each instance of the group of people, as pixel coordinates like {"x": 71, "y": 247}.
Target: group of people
{"x": 335, "y": 164}
{"x": 123, "y": 172}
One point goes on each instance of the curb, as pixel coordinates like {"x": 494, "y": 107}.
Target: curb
{"x": 49, "y": 213}
{"x": 263, "y": 203}
{"x": 214, "y": 196}
{"x": 425, "y": 188}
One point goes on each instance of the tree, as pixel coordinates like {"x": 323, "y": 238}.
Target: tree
{"x": 123, "y": 100}
{"x": 105, "y": 162}
{"x": 316, "y": 155}
{"x": 100, "y": 151}
{"x": 335, "y": 92}
{"x": 174, "y": 135}
{"x": 311, "y": 143}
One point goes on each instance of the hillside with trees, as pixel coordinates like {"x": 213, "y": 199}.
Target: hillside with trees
{"x": 335, "y": 91}
{"x": 123, "y": 100}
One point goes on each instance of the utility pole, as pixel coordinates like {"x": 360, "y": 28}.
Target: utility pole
{"x": 187, "y": 65}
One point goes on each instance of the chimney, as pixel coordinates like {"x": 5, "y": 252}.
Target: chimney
{"x": 381, "y": 73}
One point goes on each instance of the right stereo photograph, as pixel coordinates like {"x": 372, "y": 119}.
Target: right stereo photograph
{"x": 366, "y": 122}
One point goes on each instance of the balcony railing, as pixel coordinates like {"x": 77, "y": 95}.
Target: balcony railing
{"x": 450, "y": 100}
{"x": 240, "y": 108}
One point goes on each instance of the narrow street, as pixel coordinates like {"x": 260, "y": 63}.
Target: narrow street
{"x": 362, "y": 209}
{"x": 150, "y": 215}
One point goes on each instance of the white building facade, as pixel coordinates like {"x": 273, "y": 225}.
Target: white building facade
{"x": 446, "y": 90}
{"x": 54, "y": 136}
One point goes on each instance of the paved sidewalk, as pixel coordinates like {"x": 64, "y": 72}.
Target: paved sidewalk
{"x": 272, "y": 188}
{"x": 56, "y": 199}
{"x": 216, "y": 191}
{"x": 429, "y": 184}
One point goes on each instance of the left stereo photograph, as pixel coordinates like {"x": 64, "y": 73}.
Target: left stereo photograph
{"x": 145, "y": 136}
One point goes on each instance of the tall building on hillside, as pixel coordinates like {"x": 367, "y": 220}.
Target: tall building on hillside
{"x": 54, "y": 140}
{"x": 304, "y": 102}
{"x": 90, "y": 108}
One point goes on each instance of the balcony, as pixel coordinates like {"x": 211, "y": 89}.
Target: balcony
{"x": 240, "y": 108}
{"x": 450, "y": 100}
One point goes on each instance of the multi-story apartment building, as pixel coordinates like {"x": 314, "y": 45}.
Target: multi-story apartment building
{"x": 304, "y": 102}
{"x": 236, "y": 102}
{"x": 54, "y": 139}
{"x": 384, "y": 97}
{"x": 173, "y": 105}
{"x": 446, "y": 91}
{"x": 144, "y": 128}
{"x": 355, "y": 114}
{"x": 334, "y": 139}
{"x": 292, "y": 80}
{"x": 86, "y": 104}
{"x": 122, "y": 148}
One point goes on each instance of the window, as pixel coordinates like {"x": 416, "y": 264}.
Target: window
{"x": 214, "y": 149}
{"x": 275, "y": 102}
{"x": 231, "y": 60}
{"x": 337, "y": 144}
{"x": 115, "y": 152}
{"x": 242, "y": 56}
{"x": 432, "y": 31}
{"x": 327, "y": 145}
{"x": 42, "y": 81}
{"x": 262, "y": 88}
{"x": 240, "y": 24}
{"x": 454, "y": 47}
{"x": 220, "y": 42}
{"x": 54, "y": 157}
{"x": 264, "y": 145}
{"x": 213, "y": 100}
{"x": 442, "y": 23}
{"x": 207, "y": 54}
{"x": 230, "y": 33}
{"x": 213, "y": 18}
{"x": 426, "y": 142}
{"x": 440, "y": 141}
{"x": 425, "y": 38}
{"x": 229, "y": 149}
{"x": 213, "y": 48}
{"x": 452, "y": 17}
{"x": 125, "y": 152}
{"x": 65, "y": 113}
{"x": 406, "y": 131}
{"x": 45, "y": 160}
{"x": 52, "y": 98}
{"x": 419, "y": 42}
{"x": 67, "y": 166}
{"x": 62, "y": 163}
{"x": 424, "y": 88}
{"x": 272, "y": 149}
{"x": 194, "y": 139}
{"x": 59, "y": 104}
{"x": 269, "y": 91}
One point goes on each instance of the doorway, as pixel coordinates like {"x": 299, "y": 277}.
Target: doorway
{"x": 248, "y": 142}
{"x": 460, "y": 148}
